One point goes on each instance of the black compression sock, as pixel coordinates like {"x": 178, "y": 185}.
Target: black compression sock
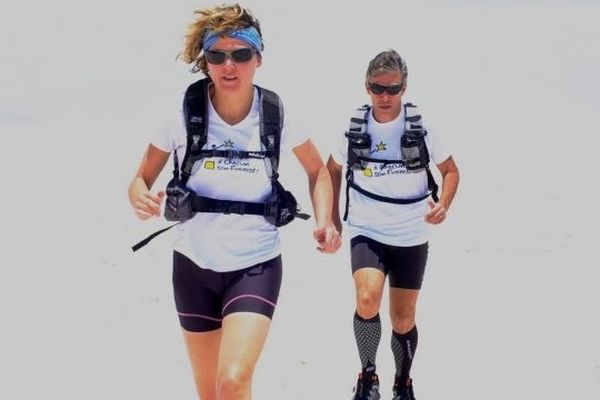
{"x": 367, "y": 333}
{"x": 404, "y": 347}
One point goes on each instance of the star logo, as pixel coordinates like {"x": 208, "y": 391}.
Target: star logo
{"x": 380, "y": 146}
{"x": 228, "y": 144}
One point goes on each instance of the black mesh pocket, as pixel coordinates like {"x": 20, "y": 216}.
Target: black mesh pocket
{"x": 359, "y": 148}
{"x": 282, "y": 208}
{"x": 178, "y": 206}
{"x": 414, "y": 150}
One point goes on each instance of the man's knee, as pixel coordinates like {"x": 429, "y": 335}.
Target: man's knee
{"x": 367, "y": 303}
{"x": 403, "y": 320}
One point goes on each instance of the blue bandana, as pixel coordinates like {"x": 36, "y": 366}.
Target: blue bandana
{"x": 249, "y": 35}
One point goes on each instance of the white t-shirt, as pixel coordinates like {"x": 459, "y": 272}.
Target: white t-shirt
{"x": 393, "y": 224}
{"x": 227, "y": 242}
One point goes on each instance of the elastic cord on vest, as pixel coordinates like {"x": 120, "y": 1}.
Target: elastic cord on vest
{"x": 144, "y": 242}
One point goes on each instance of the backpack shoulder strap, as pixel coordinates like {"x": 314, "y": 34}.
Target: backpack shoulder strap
{"x": 359, "y": 120}
{"x": 413, "y": 118}
{"x": 195, "y": 111}
{"x": 271, "y": 125}
{"x": 358, "y": 124}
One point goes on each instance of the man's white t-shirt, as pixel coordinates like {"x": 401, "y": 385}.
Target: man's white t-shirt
{"x": 227, "y": 242}
{"x": 392, "y": 224}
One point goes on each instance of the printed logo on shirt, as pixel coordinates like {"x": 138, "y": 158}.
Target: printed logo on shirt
{"x": 209, "y": 165}
{"x": 238, "y": 165}
{"x": 228, "y": 144}
{"x": 242, "y": 165}
{"x": 379, "y": 147}
{"x": 386, "y": 170}
{"x": 375, "y": 170}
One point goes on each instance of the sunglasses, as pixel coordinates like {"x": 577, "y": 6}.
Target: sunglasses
{"x": 379, "y": 89}
{"x": 238, "y": 56}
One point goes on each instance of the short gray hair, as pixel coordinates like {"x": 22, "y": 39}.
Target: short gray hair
{"x": 385, "y": 62}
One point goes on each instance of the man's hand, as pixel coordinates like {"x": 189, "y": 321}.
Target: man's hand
{"x": 436, "y": 214}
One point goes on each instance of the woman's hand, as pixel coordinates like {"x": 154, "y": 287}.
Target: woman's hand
{"x": 147, "y": 204}
{"x": 144, "y": 203}
{"x": 328, "y": 239}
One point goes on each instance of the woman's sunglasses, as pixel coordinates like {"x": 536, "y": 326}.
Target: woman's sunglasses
{"x": 238, "y": 55}
{"x": 379, "y": 89}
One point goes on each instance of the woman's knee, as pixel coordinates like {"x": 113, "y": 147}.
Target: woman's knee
{"x": 234, "y": 382}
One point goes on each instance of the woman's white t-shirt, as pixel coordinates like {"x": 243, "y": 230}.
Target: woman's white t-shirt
{"x": 227, "y": 242}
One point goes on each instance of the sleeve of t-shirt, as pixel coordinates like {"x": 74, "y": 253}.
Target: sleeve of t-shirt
{"x": 293, "y": 134}
{"x": 436, "y": 146}
{"x": 339, "y": 152}
{"x": 166, "y": 136}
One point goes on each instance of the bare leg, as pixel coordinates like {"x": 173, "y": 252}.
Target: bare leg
{"x": 403, "y": 305}
{"x": 243, "y": 338}
{"x": 203, "y": 351}
{"x": 369, "y": 289}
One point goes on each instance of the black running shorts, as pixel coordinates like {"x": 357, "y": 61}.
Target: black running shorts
{"x": 404, "y": 265}
{"x": 204, "y": 297}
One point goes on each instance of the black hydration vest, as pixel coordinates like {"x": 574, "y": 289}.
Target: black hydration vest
{"x": 413, "y": 149}
{"x": 182, "y": 203}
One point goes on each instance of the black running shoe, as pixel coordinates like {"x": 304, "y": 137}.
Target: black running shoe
{"x": 367, "y": 387}
{"x": 403, "y": 390}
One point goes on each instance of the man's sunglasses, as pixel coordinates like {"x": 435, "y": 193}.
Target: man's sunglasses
{"x": 238, "y": 55}
{"x": 379, "y": 89}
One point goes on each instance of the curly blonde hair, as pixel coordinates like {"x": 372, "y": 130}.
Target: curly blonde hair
{"x": 222, "y": 19}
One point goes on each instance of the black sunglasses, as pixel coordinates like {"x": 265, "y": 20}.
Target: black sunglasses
{"x": 238, "y": 55}
{"x": 379, "y": 89}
